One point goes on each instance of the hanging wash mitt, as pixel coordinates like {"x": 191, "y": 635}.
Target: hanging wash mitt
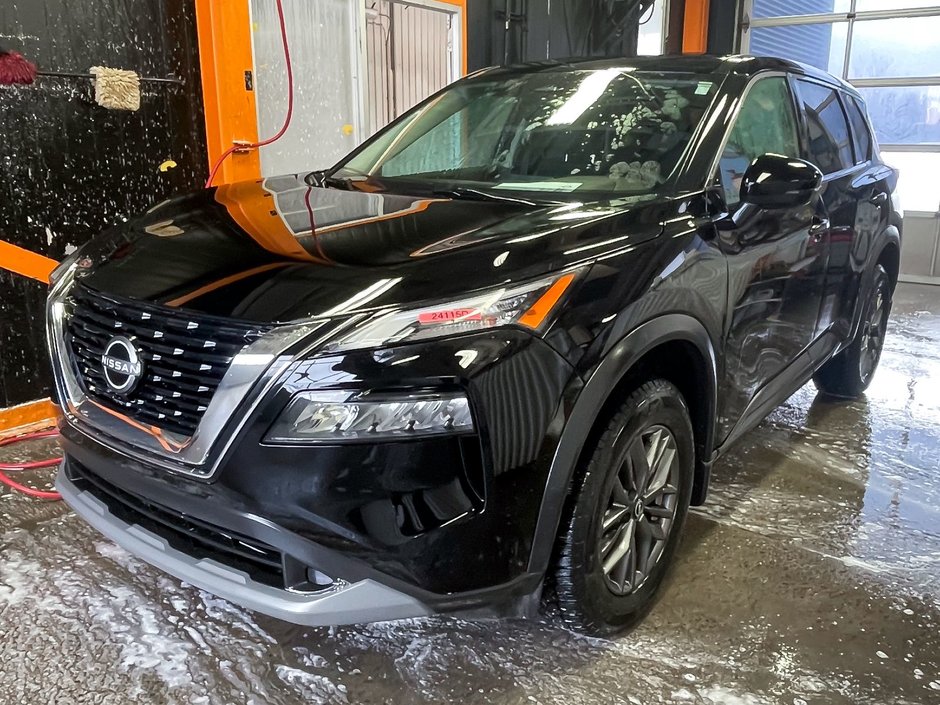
{"x": 116, "y": 89}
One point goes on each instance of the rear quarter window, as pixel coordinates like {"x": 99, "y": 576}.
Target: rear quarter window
{"x": 860, "y": 129}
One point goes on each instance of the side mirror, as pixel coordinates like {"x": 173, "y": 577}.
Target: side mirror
{"x": 774, "y": 181}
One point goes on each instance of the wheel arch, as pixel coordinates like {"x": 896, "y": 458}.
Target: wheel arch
{"x": 888, "y": 254}
{"x": 890, "y": 259}
{"x": 676, "y": 347}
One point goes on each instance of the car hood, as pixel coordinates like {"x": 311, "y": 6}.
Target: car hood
{"x": 278, "y": 250}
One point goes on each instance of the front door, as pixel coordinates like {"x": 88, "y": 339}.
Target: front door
{"x": 776, "y": 257}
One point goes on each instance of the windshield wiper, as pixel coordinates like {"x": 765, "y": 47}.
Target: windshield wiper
{"x": 326, "y": 177}
{"x": 341, "y": 181}
{"x": 471, "y": 194}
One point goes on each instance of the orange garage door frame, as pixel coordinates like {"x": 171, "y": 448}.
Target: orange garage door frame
{"x": 24, "y": 418}
{"x": 227, "y": 65}
{"x": 37, "y": 414}
{"x": 226, "y": 59}
{"x": 695, "y": 27}
{"x": 465, "y": 35}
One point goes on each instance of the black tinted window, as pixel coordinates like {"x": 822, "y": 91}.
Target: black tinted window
{"x": 860, "y": 129}
{"x": 830, "y": 143}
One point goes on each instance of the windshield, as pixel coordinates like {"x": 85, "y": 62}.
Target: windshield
{"x": 563, "y": 134}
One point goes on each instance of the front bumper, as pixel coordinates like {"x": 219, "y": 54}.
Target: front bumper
{"x": 342, "y": 603}
{"x": 445, "y": 524}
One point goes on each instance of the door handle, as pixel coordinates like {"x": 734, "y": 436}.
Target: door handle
{"x": 819, "y": 227}
{"x": 879, "y": 199}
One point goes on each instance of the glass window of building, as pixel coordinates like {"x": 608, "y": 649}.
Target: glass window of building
{"x": 888, "y": 50}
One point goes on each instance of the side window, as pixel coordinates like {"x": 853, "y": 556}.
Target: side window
{"x": 860, "y": 129}
{"x": 765, "y": 124}
{"x": 830, "y": 143}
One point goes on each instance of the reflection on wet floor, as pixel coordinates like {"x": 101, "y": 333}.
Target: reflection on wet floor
{"x": 811, "y": 576}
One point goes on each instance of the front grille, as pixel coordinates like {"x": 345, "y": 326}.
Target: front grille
{"x": 262, "y": 563}
{"x": 184, "y": 356}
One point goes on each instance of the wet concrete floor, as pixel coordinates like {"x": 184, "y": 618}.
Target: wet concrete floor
{"x": 811, "y": 576}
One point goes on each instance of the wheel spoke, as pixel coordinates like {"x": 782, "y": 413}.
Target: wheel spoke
{"x": 658, "y": 531}
{"x": 662, "y": 468}
{"x": 610, "y": 541}
{"x": 644, "y": 546}
{"x": 639, "y": 464}
{"x": 619, "y": 494}
{"x": 657, "y": 444}
{"x": 654, "y": 510}
{"x": 613, "y": 516}
{"x": 621, "y": 571}
{"x": 631, "y": 580}
{"x": 621, "y": 548}
{"x": 659, "y": 494}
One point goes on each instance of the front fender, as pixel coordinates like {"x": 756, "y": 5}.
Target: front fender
{"x": 590, "y": 403}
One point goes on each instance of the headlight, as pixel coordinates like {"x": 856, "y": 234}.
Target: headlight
{"x": 352, "y": 416}
{"x": 528, "y": 306}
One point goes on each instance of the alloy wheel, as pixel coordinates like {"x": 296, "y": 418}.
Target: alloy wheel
{"x": 873, "y": 335}
{"x": 640, "y": 510}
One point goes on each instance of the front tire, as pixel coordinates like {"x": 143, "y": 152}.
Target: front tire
{"x": 626, "y": 512}
{"x": 849, "y": 373}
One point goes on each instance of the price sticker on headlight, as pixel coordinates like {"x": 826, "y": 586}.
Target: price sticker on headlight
{"x": 450, "y": 315}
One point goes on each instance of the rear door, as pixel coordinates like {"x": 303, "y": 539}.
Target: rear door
{"x": 776, "y": 257}
{"x": 849, "y": 196}
{"x": 871, "y": 185}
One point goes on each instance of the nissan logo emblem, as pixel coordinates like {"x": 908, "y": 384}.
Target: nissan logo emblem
{"x": 121, "y": 364}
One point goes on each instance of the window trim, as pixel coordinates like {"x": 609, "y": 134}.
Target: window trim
{"x": 733, "y": 119}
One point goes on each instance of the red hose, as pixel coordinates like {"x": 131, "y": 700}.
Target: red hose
{"x": 290, "y": 105}
{"x": 313, "y": 224}
{"x": 29, "y": 491}
{"x": 32, "y": 465}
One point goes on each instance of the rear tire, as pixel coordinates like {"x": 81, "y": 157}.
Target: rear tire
{"x": 849, "y": 373}
{"x": 626, "y": 513}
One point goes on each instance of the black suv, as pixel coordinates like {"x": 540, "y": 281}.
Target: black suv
{"x": 489, "y": 356}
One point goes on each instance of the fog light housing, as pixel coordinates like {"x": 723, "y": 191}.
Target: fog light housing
{"x": 330, "y": 416}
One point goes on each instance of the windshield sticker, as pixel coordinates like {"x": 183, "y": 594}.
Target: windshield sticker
{"x": 540, "y": 185}
{"x": 703, "y": 87}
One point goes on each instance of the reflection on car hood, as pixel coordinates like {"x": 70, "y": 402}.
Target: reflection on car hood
{"x": 255, "y": 251}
